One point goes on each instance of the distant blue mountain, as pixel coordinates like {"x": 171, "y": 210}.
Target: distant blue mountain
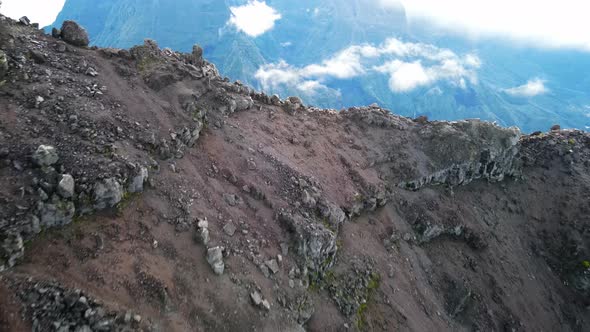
{"x": 437, "y": 76}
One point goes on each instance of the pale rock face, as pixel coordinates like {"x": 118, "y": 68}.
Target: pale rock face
{"x": 215, "y": 259}
{"x": 45, "y": 155}
{"x": 137, "y": 182}
{"x": 107, "y": 193}
{"x": 56, "y": 213}
{"x": 65, "y": 187}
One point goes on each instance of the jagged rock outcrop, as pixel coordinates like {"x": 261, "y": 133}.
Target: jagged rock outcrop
{"x": 314, "y": 243}
{"x": 52, "y": 305}
{"x": 463, "y": 151}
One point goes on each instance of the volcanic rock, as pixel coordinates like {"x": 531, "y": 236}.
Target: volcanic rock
{"x": 74, "y": 34}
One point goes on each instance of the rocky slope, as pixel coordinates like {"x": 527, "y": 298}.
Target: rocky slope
{"x": 142, "y": 191}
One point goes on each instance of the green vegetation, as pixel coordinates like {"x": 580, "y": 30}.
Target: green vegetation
{"x": 328, "y": 226}
{"x": 373, "y": 284}
{"x": 146, "y": 63}
{"x": 126, "y": 199}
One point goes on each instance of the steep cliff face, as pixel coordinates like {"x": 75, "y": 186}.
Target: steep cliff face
{"x": 140, "y": 190}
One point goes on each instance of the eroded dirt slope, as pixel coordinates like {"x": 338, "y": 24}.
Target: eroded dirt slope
{"x": 200, "y": 205}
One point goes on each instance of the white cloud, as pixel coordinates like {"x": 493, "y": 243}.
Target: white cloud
{"x": 254, "y": 18}
{"x": 532, "y": 88}
{"x": 43, "y": 12}
{"x": 408, "y": 65}
{"x": 346, "y": 64}
{"x": 543, "y": 23}
{"x": 286, "y": 44}
{"x": 405, "y": 76}
{"x": 310, "y": 87}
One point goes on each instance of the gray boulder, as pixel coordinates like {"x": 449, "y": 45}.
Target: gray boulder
{"x": 203, "y": 231}
{"x": 72, "y": 33}
{"x": 215, "y": 259}
{"x": 56, "y": 213}
{"x": 45, "y": 155}
{"x": 11, "y": 250}
{"x": 137, "y": 182}
{"x": 259, "y": 301}
{"x": 275, "y": 100}
{"x": 3, "y": 64}
{"x": 65, "y": 187}
{"x": 332, "y": 214}
{"x": 197, "y": 55}
{"x": 295, "y": 100}
{"x": 55, "y": 32}
{"x": 243, "y": 103}
{"x": 107, "y": 193}
{"x": 24, "y": 20}
{"x": 272, "y": 265}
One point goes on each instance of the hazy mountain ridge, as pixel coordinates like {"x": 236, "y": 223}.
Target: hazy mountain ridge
{"x": 310, "y": 32}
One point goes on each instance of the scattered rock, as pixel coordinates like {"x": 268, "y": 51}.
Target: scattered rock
{"x": 203, "y": 231}
{"x": 37, "y": 56}
{"x": 91, "y": 72}
{"x": 38, "y": 101}
{"x": 45, "y": 155}
{"x": 231, "y": 199}
{"x": 215, "y": 259}
{"x": 422, "y": 119}
{"x": 12, "y": 249}
{"x": 229, "y": 229}
{"x": 259, "y": 301}
{"x": 55, "y": 308}
{"x": 74, "y": 34}
{"x": 65, "y": 187}
{"x": 3, "y": 65}
{"x": 251, "y": 165}
{"x": 275, "y": 100}
{"x": 273, "y": 265}
{"x": 555, "y": 127}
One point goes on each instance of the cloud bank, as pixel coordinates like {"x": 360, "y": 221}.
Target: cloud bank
{"x": 532, "y": 88}
{"x": 542, "y": 23}
{"x": 43, "y": 12}
{"x": 407, "y": 65}
{"x": 254, "y": 18}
